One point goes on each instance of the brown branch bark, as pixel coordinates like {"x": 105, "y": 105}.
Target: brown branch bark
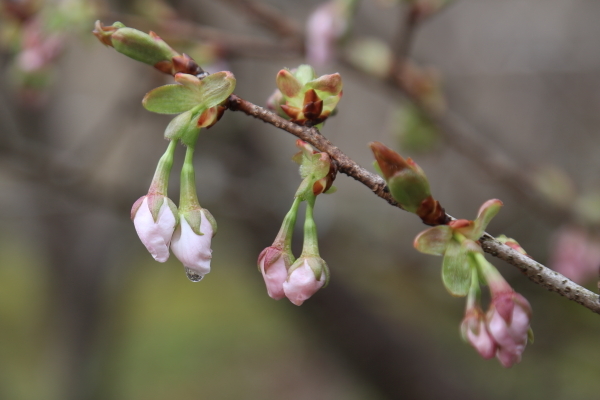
{"x": 535, "y": 271}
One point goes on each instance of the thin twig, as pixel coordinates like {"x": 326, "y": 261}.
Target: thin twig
{"x": 535, "y": 271}
{"x": 270, "y": 17}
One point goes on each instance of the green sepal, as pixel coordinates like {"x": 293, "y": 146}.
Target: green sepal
{"x": 530, "y": 336}
{"x": 211, "y": 219}
{"x": 155, "y": 202}
{"x": 331, "y": 190}
{"x": 194, "y": 218}
{"x": 319, "y": 267}
{"x": 456, "y": 269}
{"x": 174, "y": 210}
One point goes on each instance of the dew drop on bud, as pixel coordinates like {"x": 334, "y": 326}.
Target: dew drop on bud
{"x": 193, "y": 275}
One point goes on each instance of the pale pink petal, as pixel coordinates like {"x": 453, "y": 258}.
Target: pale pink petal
{"x": 156, "y": 236}
{"x": 191, "y": 249}
{"x": 302, "y": 284}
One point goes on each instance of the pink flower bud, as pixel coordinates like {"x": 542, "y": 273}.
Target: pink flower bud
{"x": 274, "y": 263}
{"x": 475, "y": 331}
{"x": 154, "y": 221}
{"x": 191, "y": 249}
{"x": 508, "y": 323}
{"x": 306, "y": 277}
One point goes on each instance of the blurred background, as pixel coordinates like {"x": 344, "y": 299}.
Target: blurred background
{"x": 500, "y": 101}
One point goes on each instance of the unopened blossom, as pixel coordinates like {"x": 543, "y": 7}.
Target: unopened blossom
{"x": 192, "y": 238}
{"x": 274, "y": 263}
{"x": 475, "y": 331}
{"x": 155, "y": 231}
{"x": 192, "y": 249}
{"x": 155, "y": 215}
{"x": 508, "y": 323}
{"x": 306, "y": 277}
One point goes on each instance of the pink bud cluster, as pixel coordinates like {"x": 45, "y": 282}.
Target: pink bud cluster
{"x": 156, "y": 222}
{"x": 297, "y": 284}
{"x": 503, "y": 331}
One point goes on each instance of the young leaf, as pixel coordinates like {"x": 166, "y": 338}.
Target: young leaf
{"x": 434, "y": 240}
{"x": 456, "y": 269}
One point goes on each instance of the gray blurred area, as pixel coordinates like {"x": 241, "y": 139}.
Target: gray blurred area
{"x": 86, "y": 313}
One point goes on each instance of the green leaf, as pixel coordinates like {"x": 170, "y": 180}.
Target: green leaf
{"x": 456, "y": 269}
{"x": 215, "y": 88}
{"x": 189, "y": 93}
{"x": 171, "y": 99}
{"x": 304, "y": 73}
{"x": 434, "y": 240}
{"x": 288, "y": 84}
{"x": 487, "y": 211}
{"x": 327, "y": 85}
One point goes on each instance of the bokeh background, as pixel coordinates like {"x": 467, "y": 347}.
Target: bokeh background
{"x": 86, "y": 313}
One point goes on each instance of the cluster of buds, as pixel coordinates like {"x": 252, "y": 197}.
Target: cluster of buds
{"x": 303, "y": 98}
{"x": 408, "y": 185}
{"x": 200, "y": 100}
{"x": 284, "y": 275}
{"x": 504, "y": 330}
{"x": 188, "y": 231}
{"x": 147, "y": 48}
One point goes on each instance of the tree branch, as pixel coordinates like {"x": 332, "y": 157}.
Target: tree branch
{"x": 535, "y": 271}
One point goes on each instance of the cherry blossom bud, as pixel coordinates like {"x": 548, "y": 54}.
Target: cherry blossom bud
{"x": 154, "y": 218}
{"x": 508, "y": 323}
{"x": 310, "y": 272}
{"x": 155, "y": 215}
{"x": 275, "y": 260}
{"x": 474, "y": 330}
{"x": 192, "y": 238}
{"x": 273, "y": 263}
{"x": 306, "y": 277}
{"x": 193, "y": 248}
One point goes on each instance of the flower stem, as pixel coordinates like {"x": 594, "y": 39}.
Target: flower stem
{"x": 284, "y": 237}
{"x": 494, "y": 280}
{"x": 474, "y": 291}
{"x": 311, "y": 245}
{"x": 188, "y": 199}
{"x": 160, "y": 181}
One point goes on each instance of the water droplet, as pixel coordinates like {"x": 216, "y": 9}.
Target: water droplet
{"x": 193, "y": 275}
